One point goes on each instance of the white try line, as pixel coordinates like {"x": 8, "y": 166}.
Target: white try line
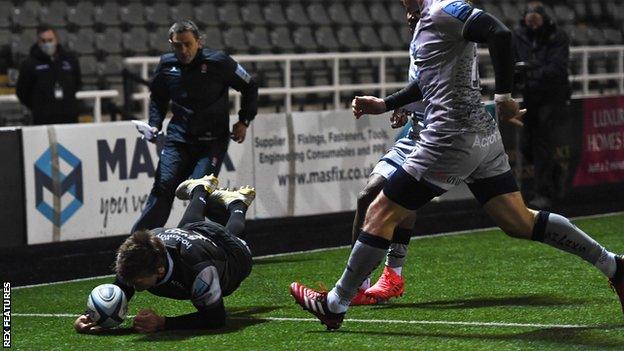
{"x": 420, "y": 237}
{"x": 364, "y": 321}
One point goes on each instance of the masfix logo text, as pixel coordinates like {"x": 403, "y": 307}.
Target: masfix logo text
{"x": 60, "y": 173}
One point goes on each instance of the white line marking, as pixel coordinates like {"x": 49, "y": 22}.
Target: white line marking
{"x": 420, "y": 237}
{"x": 367, "y": 321}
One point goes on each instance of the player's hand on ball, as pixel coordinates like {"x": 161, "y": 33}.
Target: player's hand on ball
{"x": 85, "y": 325}
{"x": 367, "y": 105}
{"x": 239, "y": 131}
{"x": 147, "y": 321}
{"x": 509, "y": 111}
{"x": 399, "y": 118}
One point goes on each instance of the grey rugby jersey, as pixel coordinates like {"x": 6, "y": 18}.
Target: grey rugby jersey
{"x": 446, "y": 69}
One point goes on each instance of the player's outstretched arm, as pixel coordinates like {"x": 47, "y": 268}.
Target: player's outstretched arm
{"x": 205, "y": 318}
{"x": 481, "y": 27}
{"x": 147, "y": 321}
{"x": 371, "y": 105}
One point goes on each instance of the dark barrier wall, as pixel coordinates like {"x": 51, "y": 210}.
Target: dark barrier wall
{"x": 12, "y": 218}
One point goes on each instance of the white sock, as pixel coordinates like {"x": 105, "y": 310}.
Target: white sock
{"x": 335, "y": 303}
{"x": 397, "y": 270}
{"x": 606, "y": 263}
{"x": 366, "y": 284}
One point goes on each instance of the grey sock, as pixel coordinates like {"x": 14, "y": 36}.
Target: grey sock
{"x": 557, "y": 231}
{"x": 398, "y": 247}
{"x": 366, "y": 255}
{"x": 396, "y": 255}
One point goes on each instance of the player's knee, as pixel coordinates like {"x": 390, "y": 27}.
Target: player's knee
{"x": 381, "y": 212}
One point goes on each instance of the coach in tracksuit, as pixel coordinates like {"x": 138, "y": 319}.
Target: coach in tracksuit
{"x": 195, "y": 81}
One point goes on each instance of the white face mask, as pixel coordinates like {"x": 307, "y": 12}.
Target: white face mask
{"x": 48, "y": 48}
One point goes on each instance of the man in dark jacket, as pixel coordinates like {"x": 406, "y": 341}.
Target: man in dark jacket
{"x": 49, "y": 79}
{"x": 542, "y": 53}
{"x": 195, "y": 82}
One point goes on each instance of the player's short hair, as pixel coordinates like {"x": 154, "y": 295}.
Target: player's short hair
{"x": 140, "y": 255}
{"x": 184, "y": 26}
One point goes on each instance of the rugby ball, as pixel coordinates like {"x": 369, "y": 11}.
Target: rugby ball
{"x": 107, "y": 305}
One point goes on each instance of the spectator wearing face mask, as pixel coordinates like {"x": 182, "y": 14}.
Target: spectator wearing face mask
{"x": 542, "y": 52}
{"x": 48, "y": 80}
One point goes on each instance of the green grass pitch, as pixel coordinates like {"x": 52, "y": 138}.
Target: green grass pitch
{"x": 473, "y": 291}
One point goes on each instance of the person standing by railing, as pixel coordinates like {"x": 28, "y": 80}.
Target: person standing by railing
{"x": 542, "y": 52}
{"x": 49, "y": 79}
{"x": 195, "y": 81}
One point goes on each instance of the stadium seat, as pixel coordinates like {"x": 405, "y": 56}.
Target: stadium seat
{"x": 213, "y": 38}
{"x": 580, "y": 9}
{"x": 206, "y": 15}
{"x": 274, "y": 14}
{"x": 596, "y": 36}
{"x": 6, "y": 8}
{"x": 282, "y": 41}
{"x": 107, "y": 14}
{"x": 158, "y": 42}
{"x": 259, "y": 40}
{"x": 267, "y": 66}
{"x": 296, "y": 15}
{"x": 493, "y": 9}
{"x": 182, "y": 11}
{"x": 359, "y": 13}
{"x": 397, "y": 69}
{"x": 379, "y": 14}
{"x": 397, "y": 13}
{"x": 338, "y": 14}
{"x": 348, "y": 39}
{"x": 326, "y": 39}
{"x": 390, "y": 39}
{"x": 134, "y": 42}
{"x": 576, "y": 64}
{"x": 111, "y": 67}
{"x": 81, "y": 14}
{"x": 405, "y": 34}
{"x": 132, "y": 14}
{"x": 5, "y": 36}
{"x": 88, "y": 66}
{"x": 304, "y": 39}
{"x": 318, "y": 15}
{"x": 25, "y": 16}
{"x": 511, "y": 13}
{"x": 615, "y": 11}
{"x": 63, "y": 35}
{"x": 82, "y": 42}
{"x": 109, "y": 41}
{"x": 369, "y": 38}
{"x": 563, "y": 14}
{"x": 613, "y": 36}
{"x": 229, "y": 14}
{"x": 22, "y": 42}
{"x": 579, "y": 35}
{"x": 54, "y": 14}
{"x": 158, "y": 14}
{"x": 595, "y": 11}
{"x": 252, "y": 15}
{"x": 235, "y": 42}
